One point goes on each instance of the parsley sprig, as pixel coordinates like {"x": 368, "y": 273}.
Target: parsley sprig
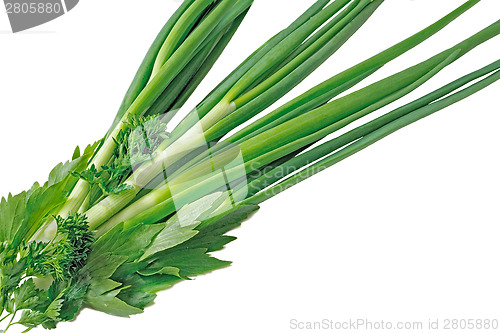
{"x": 136, "y": 144}
{"x": 58, "y": 262}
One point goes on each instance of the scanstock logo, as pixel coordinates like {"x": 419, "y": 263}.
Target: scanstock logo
{"x": 26, "y": 14}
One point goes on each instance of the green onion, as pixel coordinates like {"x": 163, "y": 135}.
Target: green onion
{"x": 147, "y": 87}
{"x": 281, "y": 140}
{"x": 366, "y": 135}
{"x": 181, "y": 144}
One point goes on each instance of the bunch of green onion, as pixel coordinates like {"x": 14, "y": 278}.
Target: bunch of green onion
{"x": 156, "y": 204}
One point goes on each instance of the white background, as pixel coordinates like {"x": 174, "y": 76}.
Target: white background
{"x": 404, "y": 231}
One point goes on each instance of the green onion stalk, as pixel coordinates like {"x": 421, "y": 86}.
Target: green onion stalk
{"x": 333, "y": 151}
{"x": 291, "y": 128}
{"x": 263, "y": 78}
{"x": 292, "y": 135}
{"x": 180, "y": 57}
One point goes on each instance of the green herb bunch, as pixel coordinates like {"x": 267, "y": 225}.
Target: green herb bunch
{"x": 143, "y": 209}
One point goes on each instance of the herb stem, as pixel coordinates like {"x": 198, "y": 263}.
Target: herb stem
{"x": 11, "y": 321}
{"x": 5, "y": 317}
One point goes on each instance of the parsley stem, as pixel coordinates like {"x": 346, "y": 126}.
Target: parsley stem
{"x": 5, "y": 317}
{"x": 11, "y": 321}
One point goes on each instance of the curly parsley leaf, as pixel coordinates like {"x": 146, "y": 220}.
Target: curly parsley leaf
{"x": 135, "y": 144}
